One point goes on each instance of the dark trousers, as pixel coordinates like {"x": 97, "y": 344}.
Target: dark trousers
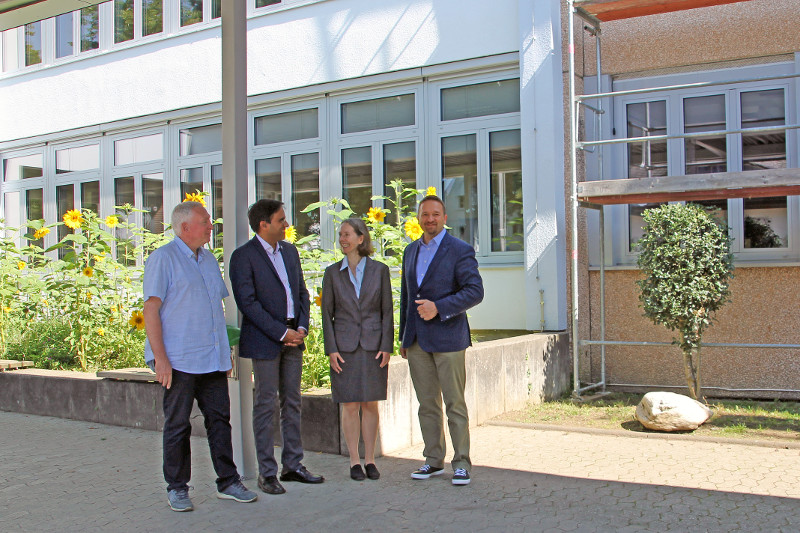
{"x": 278, "y": 377}
{"x": 211, "y": 392}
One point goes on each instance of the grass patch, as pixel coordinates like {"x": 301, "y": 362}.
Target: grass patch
{"x": 746, "y": 419}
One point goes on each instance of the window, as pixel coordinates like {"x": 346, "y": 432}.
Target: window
{"x": 78, "y": 159}
{"x": 139, "y": 149}
{"x": 191, "y": 12}
{"x": 264, "y": 3}
{"x": 201, "y": 140}
{"x": 64, "y": 38}
{"x": 23, "y": 167}
{"x": 90, "y": 28}
{"x": 216, "y": 9}
{"x": 480, "y": 99}
{"x": 65, "y": 201}
{"x": 152, "y": 17}
{"x": 460, "y": 186}
{"x": 399, "y": 163}
{"x": 505, "y": 160}
{"x": 379, "y": 113}
{"x": 10, "y": 45}
{"x": 34, "y": 210}
{"x": 123, "y": 21}
{"x": 761, "y": 228}
{"x": 357, "y": 178}
{"x": 305, "y": 191}
{"x": 284, "y": 127}
{"x": 33, "y": 43}
{"x": 268, "y": 179}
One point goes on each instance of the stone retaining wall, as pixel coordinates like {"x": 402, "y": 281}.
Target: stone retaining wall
{"x": 502, "y": 375}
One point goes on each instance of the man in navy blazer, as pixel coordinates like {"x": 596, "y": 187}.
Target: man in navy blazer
{"x": 440, "y": 282}
{"x": 271, "y": 294}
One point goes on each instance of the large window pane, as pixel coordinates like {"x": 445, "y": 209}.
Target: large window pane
{"x": 33, "y": 43}
{"x": 646, "y": 159}
{"x": 124, "y": 197}
{"x": 460, "y": 186}
{"x": 77, "y": 159}
{"x": 152, "y": 17}
{"x": 216, "y": 204}
{"x": 10, "y": 46}
{"x": 90, "y": 196}
{"x": 11, "y": 209}
{"x": 90, "y": 28}
{"x": 268, "y": 179}
{"x": 379, "y": 113}
{"x": 399, "y": 163}
{"x": 139, "y": 149}
{"x": 305, "y": 191}
{"x": 216, "y": 9}
{"x": 284, "y": 127}
{"x": 65, "y": 201}
{"x": 505, "y": 160}
{"x": 191, "y": 12}
{"x": 480, "y": 99}
{"x": 201, "y": 140}
{"x": 153, "y": 202}
{"x": 705, "y": 155}
{"x": 123, "y": 20}
{"x": 357, "y": 178}
{"x": 27, "y": 166}
{"x": 34, "y": 209}
{"x": 64, "y": 40}
{"x": 191, "y": 181}
{"x": 765, "y": 219}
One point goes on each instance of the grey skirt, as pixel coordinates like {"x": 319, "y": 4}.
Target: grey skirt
{"x": 361, "y": 380}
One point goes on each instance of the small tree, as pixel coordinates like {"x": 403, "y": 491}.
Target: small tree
{"x": 687, "y": 265}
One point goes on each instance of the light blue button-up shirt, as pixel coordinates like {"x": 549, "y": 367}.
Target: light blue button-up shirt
{"x": 192, "y": 320}
{"x": 359, "y": 277}
{"x": 277, "y": 261}
{"x": 425, "y": 255}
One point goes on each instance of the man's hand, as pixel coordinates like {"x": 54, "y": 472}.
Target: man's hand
{"x": 164, "y": 372}
{"x": 384, "y": 357}
{"x": 336, "y": 360}
{"x": 403, "y": 353}
{"x": 293, "y": 337}
{"x": 426, "y": 309}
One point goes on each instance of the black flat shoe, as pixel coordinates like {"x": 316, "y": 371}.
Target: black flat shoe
{"x": 270, "y": 485}
{"x": 372, "y": 471}
{"x": 356, "y": 473}
{"x": 302, "y": 475}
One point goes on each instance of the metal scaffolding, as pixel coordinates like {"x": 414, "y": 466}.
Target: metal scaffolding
{"x": 597, "y": 194}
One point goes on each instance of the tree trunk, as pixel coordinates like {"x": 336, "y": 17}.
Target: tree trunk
{"x": 691, "y": 369}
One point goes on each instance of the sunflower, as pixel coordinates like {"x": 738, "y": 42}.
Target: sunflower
{"x": 291, "y": 234}
{"x": 430, "y": 191}
{"x": 21, "y": 265}
{"x": 137, "y": 320}
{"x": 40, "y": 233}
{"x": 88, "y": 271}
{"x": 376, "y": 215}
{"x": 318, "y": 298}
{"x": 73, "y": 219}
{"x": 6, "y": 309}
{"x": 413, "y": 229}
{"x": 101, "y": 332}
{"x": 100, "y": 258}
{"x": 112, "y": 221}
{"x": 195, "y": 197}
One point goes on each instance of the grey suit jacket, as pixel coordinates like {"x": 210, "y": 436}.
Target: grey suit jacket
{"x": 368, "y": 320}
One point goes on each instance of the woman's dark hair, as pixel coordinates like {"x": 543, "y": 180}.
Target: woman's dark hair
{"x": 365, "y": 248}
{"x": 262, "y": 210}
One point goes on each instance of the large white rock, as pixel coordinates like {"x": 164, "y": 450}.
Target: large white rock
{"x": 667, "y": 411}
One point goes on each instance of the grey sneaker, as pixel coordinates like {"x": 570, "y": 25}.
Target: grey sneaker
{"x": 179, "y": 500}
{"x": 237, "y": 491}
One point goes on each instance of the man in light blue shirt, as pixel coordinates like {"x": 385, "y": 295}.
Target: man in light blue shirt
{"x": 187, "y": 346}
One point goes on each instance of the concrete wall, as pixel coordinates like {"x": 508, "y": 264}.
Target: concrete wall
{"x": 502, "y": 376}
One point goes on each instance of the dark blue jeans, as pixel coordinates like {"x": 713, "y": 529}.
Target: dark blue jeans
{"x": 211, "y": 392}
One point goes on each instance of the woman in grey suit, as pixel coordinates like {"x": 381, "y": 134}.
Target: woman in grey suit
{"x": 358, "y": 326}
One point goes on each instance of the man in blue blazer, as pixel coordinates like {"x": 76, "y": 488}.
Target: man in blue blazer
{"x": 271, "y": 294}
{"x": 440, "y": 282}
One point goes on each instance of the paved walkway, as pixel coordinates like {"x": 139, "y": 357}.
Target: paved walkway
{"x": 63, "y": 475}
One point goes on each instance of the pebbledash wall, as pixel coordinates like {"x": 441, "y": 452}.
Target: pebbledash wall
{"x": 344, "y": 95}
{"x": 729, "y": 42}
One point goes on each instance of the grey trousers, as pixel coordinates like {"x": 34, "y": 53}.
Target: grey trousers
{"x": 436, "y": 376}
{"x": 278, "y": 378}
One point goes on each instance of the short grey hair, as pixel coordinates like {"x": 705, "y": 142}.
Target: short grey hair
{"x": 182, "y": 213}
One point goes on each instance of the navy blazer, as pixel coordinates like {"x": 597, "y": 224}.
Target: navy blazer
{"x": 453, "y": 283}
{"x": 261, "y": 298}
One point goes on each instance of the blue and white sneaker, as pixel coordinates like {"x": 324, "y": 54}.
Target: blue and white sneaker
{"x": 179, "y": 500}
{"x": 461, "y": 477}
{"x": 238, "y": 492}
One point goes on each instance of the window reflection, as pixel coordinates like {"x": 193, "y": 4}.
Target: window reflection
{"x": 505, "y": 156}
{"x": 460, "y": 186}
{"x": 357, "y": 178}
{"x": 268, "y": 179}
{"x": 399, "y": 162}
{"x": 305, "y": 191}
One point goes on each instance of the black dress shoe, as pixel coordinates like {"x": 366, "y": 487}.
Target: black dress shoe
{"x": 372, "y": 471}
{"x": 302, "y": 475}
{"x": 270, "y": 485}
{"x": 356, "y": 473}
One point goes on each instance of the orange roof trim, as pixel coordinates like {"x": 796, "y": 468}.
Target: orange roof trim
{"x": 606, "y": 10}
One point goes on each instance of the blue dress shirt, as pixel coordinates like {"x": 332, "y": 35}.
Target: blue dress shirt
{"x": 425, "y": 255}
{"x": 359, "y": 277}
{"x": 192, "y": 320}
{"x": 277, "y": 261}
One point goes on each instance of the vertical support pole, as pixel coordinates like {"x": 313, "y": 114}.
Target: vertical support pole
{"x": 573, "y": 147}
{"x": 234, "y": 199}
{"x": 602, "y": 220}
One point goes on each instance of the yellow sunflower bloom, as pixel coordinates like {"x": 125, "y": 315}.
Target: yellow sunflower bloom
{"x": 376, "y": 215}
{"x": 413, "y": 229}
{"x": 101, "y": 332}
{"x": 112, "y": 221}
{"x": 430, "y": 191}
{"x": 100, "y": 258}
{"x": 88, "y": 271}
{"x": 40, "y": 233}
{"x": 291, "y": 234}
{"x": 318, "y": 298}
{"x": 195, "y": 197}
{"x": 137, "y": 320}
{"x": 21, "y": 265}
{"x": 7, "y": 309}
{"x": 113, "y": 309}
{"x": 73, "y": 219}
